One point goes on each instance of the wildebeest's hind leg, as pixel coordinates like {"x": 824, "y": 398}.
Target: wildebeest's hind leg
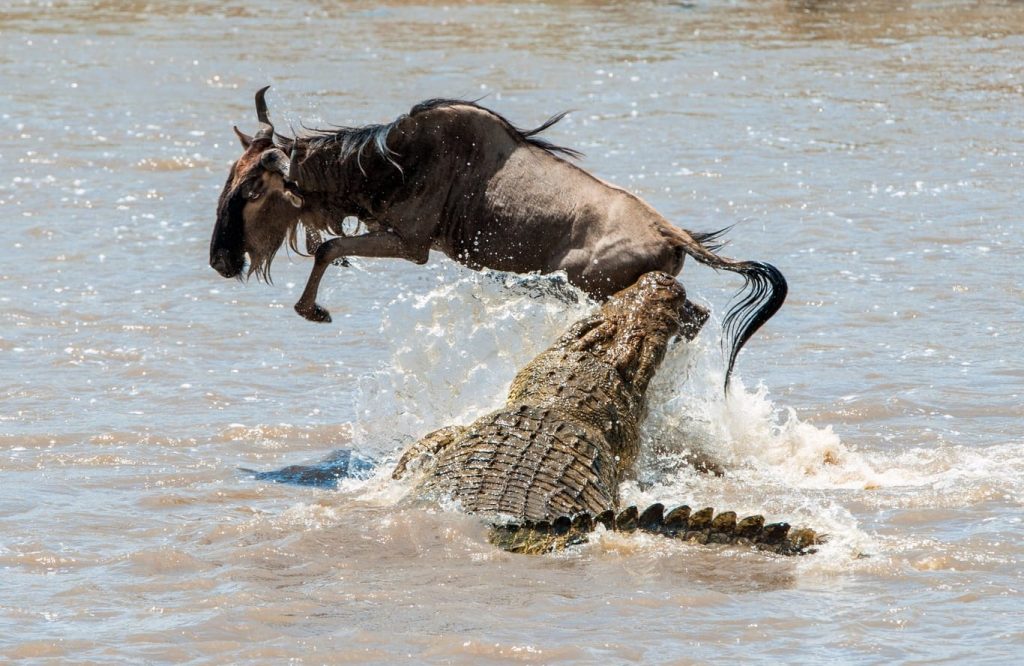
{"x": 373, "y": 244}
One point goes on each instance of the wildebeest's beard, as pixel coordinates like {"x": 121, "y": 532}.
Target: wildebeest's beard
{"x": 266, "y": 229}
{"x": 257, "y": 228}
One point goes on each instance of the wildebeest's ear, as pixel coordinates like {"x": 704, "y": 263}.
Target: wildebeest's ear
{"x": 293, "y": 199}
{"x": 274, "y": 159}
{"x": 243, "y": 137}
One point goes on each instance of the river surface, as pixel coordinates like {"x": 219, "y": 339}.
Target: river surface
{"x": 873, "y": 151}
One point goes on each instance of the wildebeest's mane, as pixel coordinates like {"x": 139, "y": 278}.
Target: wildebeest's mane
{"x": 349, "y": 141}
{"x": 529, "y": 136}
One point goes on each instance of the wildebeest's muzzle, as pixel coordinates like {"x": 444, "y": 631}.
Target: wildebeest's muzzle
{"x": 227, "y": 252}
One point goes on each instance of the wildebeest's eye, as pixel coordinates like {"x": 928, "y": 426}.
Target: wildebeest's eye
{"x": 254, "y": 195}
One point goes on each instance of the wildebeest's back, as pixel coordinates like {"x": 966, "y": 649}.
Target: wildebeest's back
{"x": 600, "y": 225}
{"x": 503, "y": 197}
{"x": 526, "y": 462}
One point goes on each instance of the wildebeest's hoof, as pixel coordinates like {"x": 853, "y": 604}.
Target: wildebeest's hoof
{"x": 315, "y": 313}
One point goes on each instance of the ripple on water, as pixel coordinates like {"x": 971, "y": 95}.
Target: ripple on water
{"x": 871, "y": 150}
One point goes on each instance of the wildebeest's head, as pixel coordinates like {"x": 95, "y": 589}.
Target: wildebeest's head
{"x": 259, "y": 206}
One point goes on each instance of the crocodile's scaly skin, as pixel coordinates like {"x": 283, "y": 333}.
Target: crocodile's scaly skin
{"x": 570, "y": 430}
{"x": 527, "y": 462}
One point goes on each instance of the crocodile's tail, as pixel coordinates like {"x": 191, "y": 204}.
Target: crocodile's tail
{"x": 703, "y": 527}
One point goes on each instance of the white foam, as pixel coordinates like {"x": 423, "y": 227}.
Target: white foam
{"x": 456, "y": 349}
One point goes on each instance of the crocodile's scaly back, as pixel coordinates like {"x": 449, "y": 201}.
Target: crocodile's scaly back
{"x": 527, "y": 462}
{"x": 702, "y": 527}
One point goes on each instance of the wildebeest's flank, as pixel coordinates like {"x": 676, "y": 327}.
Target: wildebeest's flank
{"x": 456, "y": 177}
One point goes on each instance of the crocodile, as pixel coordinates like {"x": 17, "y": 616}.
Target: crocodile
{"x": 546, "y": 467}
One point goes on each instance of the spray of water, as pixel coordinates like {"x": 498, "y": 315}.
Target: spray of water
{"x": 457, "y": 347}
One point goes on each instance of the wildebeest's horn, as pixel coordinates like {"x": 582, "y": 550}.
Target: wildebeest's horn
{"x": 293, "y": 166}
{"x": 266, "y": 127}
{"x": 274, "y": 160}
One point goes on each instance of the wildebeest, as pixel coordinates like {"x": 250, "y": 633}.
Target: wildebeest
{"x": 453, "y": 176}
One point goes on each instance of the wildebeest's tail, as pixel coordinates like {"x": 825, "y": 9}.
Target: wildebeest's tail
{"x": 763, "y": 292}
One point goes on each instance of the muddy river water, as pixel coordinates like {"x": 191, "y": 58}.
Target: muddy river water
{"x": 873, "y": 151}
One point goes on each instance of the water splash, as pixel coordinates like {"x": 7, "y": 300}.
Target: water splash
{"x": 457, "y": 347}
{"x": 456, "y": 350}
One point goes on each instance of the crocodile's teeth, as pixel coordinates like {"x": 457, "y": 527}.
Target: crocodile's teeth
{"x": 724, "y": 523}
{"x": 626, "y": 521}
{"x": 774, "y": 533}
{"x": 701, "y": 520}
{"x": 750, "y": 527}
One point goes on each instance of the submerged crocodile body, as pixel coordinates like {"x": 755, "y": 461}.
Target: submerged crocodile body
{"x": 547, "y": 466}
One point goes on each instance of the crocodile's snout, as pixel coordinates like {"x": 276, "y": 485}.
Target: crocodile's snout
{"x": 657, "y": 280}
{"x": 655, "y": 303}
{"x": 656, "y": 288}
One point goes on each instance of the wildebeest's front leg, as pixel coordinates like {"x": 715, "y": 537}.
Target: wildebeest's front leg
{"x": 373, "y": 244}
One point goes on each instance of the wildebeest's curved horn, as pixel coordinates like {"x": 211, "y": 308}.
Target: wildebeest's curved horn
{"x": 274, "y": 160}
{"x": 293, "y": 166}
{"x": 266, "y": 127}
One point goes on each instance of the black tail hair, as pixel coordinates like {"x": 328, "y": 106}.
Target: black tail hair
{"x": 763, "y": 292}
